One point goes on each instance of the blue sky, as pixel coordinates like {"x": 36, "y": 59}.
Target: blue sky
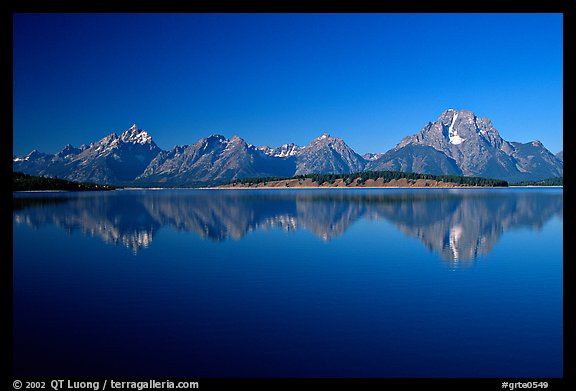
{"x": 370, "y": 79}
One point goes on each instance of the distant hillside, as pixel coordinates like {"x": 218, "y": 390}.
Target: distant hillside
{"x": 368, "y": 179}
{"x": 24, "y": 182}
{"x": 543, "y": 182}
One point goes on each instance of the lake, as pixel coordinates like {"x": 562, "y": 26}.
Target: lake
{"x": 372, "y": 283}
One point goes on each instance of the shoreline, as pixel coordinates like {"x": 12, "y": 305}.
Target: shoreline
{"x": 42, "y": 191}
{"x": 379, "y": 183}
{"x": 378, "y": 187}
{"x": 343, "y": 187}
{"x": 294, "y": 188}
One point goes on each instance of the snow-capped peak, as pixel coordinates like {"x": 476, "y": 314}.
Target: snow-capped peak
{"x": 34, "y": 154}
{"x": 68, "y": 151}
{"x": 325, "y": 136}
{"x": 136, "y": 136}
{"x": 286, "y": 150}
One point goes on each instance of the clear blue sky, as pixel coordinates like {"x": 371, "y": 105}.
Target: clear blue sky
{"x": 370, "y": 79}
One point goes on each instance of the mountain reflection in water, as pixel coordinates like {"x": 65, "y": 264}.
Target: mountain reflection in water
{"x": 459, "y": 225}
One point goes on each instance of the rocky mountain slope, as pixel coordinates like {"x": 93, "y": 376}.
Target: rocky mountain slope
{"x": 213, "y": 159}
{"x": 473, "y": 146}
{"x": 114, "y": 159}
{"x": 327, "y": 154}
{"x": 457, "y": 143}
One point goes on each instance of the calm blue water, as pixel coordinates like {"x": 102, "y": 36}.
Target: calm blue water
{"x": 289, "y": 283}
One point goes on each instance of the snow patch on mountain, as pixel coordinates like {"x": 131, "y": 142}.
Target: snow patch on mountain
{"x": 453, "y": 134}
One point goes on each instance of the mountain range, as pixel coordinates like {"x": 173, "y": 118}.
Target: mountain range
{"x": 457, "y": 143}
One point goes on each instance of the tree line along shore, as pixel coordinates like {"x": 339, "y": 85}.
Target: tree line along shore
{"x": 367, "y": 179}
{"x": 24, "y": 182}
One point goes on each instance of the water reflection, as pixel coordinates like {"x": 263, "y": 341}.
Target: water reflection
{"x": 460, "y": 225}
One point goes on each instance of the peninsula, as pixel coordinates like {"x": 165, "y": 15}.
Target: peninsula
{"x": 368, "y": 179}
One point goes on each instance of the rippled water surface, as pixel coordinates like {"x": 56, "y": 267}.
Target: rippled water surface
{"x": 289, "y": 283}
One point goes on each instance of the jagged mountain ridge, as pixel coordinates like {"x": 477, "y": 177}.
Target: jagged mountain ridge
{"x": 213, "y": 159}
{"x": 475, "y": 146}
{"x": 113, "y": 159}
{"x": 458, "y": 143}
{"x": 210, "y": 160}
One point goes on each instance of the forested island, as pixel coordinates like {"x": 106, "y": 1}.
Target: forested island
{"x": 367, "y": 179}
{"x": 544, "y": 182}
{"x": 24, "y": 182}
